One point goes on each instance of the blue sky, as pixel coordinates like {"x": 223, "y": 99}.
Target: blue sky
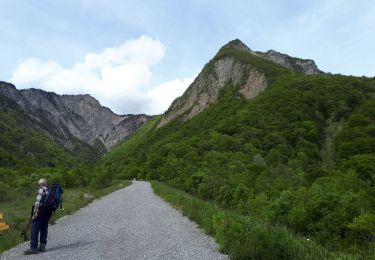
{"x": 45, "y": 44}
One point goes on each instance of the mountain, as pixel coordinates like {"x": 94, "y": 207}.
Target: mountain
{"x": 269, "y": 137}
{"x": 225, "y": 69}
{"x": 23, "y": 144}
{"x": 81, "y": 116}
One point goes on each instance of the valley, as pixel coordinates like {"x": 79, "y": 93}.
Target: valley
{"x": 269, "y": 141}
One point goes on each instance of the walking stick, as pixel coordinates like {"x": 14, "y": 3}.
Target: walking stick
{"x": 26, "y": 228}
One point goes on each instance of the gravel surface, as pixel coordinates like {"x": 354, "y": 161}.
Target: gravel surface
{"x": 131, "y": 223}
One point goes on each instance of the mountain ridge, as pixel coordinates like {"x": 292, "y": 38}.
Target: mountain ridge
{"x": 306, "y": 66}
{"x": 225, "y": 69}
{"x": 79, "y": 115}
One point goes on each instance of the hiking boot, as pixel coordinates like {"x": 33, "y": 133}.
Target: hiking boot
{"x": 30, "y": 251}
{"x": 42, "y": 248}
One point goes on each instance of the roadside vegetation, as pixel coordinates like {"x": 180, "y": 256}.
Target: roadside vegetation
{"x": 245, "y": 237}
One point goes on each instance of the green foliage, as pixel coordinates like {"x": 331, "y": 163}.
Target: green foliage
{"x": 300, "y": 154}
{"x": 22, "y": 144}
{"x": 364, "y": 224}
{"x": 245, "y": 237}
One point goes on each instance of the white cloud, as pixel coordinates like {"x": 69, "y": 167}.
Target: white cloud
{"x": 163, "y": 95}
{"x": 32, "y": 69}
{"x": 114, "y": 76}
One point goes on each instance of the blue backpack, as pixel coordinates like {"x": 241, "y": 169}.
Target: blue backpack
{"x": 54, "y": 197}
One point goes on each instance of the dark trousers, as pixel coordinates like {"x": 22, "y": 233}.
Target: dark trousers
{"x": 40, "y": 226}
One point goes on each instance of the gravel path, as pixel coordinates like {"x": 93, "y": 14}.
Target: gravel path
{"x": 132, "y": 223}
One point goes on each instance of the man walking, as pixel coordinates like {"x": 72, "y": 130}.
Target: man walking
{"x": 40, "y": 220}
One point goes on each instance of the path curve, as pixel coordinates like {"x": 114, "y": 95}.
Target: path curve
{"x": 131, "y": 223}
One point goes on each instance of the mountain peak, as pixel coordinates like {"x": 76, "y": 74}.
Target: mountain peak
{"x": 306, "y": 66}
{"x": 226, "y": 68}
{"x": 237, "y": 44}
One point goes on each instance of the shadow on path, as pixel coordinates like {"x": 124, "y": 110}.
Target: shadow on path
{"x": 71, "y": 245}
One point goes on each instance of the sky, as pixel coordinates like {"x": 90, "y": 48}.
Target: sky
{"x": 138, "y": 56}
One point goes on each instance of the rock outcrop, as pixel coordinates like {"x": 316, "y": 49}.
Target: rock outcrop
{"x": 81, "y": 116}
{"x": 206, "y": 87}
{"x": 306, "y": 66}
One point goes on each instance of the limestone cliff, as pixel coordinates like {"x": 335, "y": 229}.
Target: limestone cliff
{"x": 205, "y": 88}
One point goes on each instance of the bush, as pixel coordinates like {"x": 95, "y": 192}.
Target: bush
{"x": 244, "y": 237}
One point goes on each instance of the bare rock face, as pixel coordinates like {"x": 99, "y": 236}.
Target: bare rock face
{"x": 306, "y": 66}
{"x": 255, "y": 84}
{"x": 206, "y": 87}
{"x": 81, "y": 116}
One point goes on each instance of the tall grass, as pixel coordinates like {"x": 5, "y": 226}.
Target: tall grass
{"x": 244, "y": 237}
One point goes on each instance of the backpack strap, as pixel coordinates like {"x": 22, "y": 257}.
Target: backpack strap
{"x": 61, "y": 202}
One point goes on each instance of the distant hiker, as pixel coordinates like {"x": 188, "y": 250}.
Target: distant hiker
{"x": 40, "y": 220}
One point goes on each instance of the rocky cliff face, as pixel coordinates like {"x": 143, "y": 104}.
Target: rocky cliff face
{"x": 80, "y": 116}
{"x": 306, "y": 66}
{"x": 206, "y": 87}
{"x": 229, "y": 71}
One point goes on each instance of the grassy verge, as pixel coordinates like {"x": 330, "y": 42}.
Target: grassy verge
{"x": 244, "y": 237}
{"x": 16, "y": 213}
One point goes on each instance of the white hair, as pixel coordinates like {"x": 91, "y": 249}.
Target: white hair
{"x": 42, "y": 182}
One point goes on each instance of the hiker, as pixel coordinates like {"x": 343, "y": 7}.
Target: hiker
{"x": 40, "y": 220}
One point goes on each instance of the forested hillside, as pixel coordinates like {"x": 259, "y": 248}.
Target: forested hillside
{"x": 26, "y": 154}
{"x": 300, "y": 154}
{"x": 23, "y": 145}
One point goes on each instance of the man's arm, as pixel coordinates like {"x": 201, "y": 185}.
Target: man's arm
{"x": 38, "y": 200}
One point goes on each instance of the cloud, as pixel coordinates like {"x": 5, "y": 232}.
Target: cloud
{"x": 117, "y": 77}
{"x": 34, "y": 70}
{"x": 163, "y": 95}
